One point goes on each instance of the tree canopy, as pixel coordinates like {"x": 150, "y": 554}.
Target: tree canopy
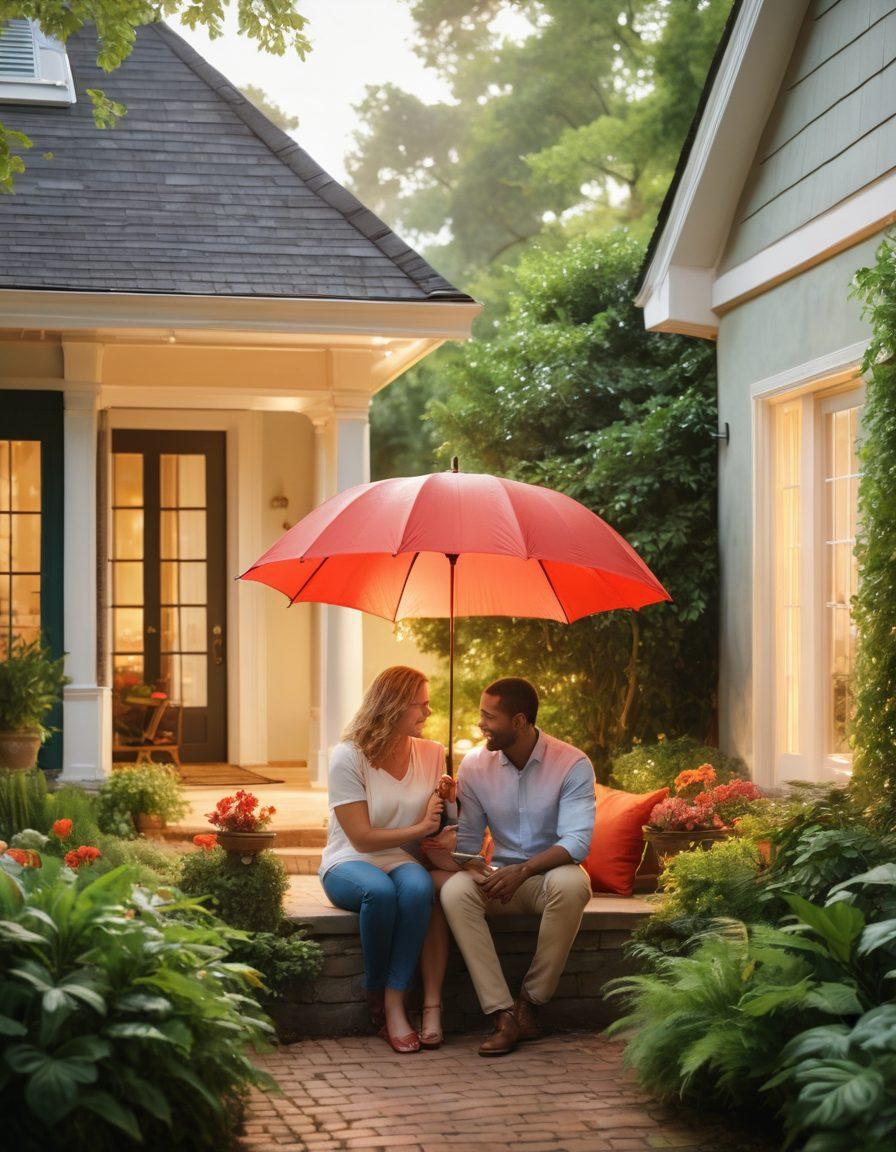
{"x": 275, "y": 25}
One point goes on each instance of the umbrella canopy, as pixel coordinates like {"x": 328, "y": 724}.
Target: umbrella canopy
{"x": 521, "y": 550}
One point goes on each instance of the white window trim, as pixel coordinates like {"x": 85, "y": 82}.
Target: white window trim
{"x": 52, "y": 82}
{"x": 825, "y": 377}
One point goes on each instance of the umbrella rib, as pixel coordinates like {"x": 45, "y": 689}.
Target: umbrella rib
{"x": 293, "y": 599}
{"x": 407, "y": 577}
{"x": 554, "y": 590}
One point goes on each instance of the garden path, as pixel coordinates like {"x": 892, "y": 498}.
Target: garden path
{"x": 566, "y": 1093}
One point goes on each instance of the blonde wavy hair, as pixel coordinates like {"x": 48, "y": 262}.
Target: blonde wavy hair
{"x": 373, "y": 726}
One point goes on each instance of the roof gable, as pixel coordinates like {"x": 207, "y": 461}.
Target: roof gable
{"x": 193, "y": 192}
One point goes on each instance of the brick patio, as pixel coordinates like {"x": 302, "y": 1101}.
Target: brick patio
{"x": 567, "y": 1093}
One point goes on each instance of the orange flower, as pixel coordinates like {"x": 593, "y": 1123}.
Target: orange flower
{"x": 86, "y": 854}
{"x": 705, "y": 774}
{"x": 62, "y": 828}
{"x": 206, "y": 841}
{"x": 27, "y": 857}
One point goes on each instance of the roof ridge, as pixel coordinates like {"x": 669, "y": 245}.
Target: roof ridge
{"x": 320, "y": 182}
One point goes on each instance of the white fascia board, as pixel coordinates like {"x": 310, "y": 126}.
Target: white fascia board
{"x": 680, "y": 303}
{"x": 862, "y": 215}
{"x": 736, "y": 112}
{"x": 95, "y": 311}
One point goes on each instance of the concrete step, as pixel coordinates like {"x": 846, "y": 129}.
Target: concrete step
{"x": 286, "y": 837}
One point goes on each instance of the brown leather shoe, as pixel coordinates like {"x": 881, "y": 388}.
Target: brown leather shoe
{"x": 505, "y": 1036}
{"x": 524, "y": 1011}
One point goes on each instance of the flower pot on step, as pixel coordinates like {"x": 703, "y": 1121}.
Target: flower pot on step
{"x": 246, "y": 843}
{"x": 669, "y": 844}
{"x": 18, "y": 750}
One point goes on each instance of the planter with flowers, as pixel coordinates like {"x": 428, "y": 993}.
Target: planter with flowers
{"x": 242, "y": 825}
{"x": 31, "y": 683}
{"x": 699, "y": 814}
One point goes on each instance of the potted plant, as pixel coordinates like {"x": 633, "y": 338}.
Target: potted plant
{"x": 31, "y": 682}
{"x": 242, "y": 824}
{"x": 140, "y": 797}
{"x": 699, "y": 814}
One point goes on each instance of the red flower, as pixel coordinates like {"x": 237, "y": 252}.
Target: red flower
{"x": 237, "y": 813}
{"x": 62, "y": 828}
{"x": 85, "y": 854}
{"x": 206, "y": 841}
{"x": 27, "y": 857}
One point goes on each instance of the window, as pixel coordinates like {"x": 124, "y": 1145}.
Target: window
{"x": 34, "y": 68}
{"x": 787, "y": 582}
{"x": 20, "y": 507}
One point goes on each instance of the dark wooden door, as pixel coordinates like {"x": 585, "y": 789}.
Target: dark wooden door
{"x": 168, "y": 578}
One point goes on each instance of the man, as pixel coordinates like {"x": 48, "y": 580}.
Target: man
{"x": 536, "y": 795}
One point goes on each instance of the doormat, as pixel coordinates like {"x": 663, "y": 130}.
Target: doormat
{"x": 216, "y": 775}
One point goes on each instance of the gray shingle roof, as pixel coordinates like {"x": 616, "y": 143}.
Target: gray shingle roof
{"x": 194, "y": 191}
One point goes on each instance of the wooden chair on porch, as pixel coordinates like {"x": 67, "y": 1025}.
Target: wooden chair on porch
{"x": 155, "y": 737}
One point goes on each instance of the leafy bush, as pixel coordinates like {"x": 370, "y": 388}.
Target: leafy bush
{"x": 31, "y": 682}
{"x": 651, "y": 766}
{"x": 23, "y": 801}
{"x": 282, "y": 958}
{"x": 118, "y": 1019}
{"x": 248, "y": 896}
{"x": 130, "y": 790}
{"x": 812, "y": 863}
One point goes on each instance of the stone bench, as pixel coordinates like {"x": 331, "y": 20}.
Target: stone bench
{"x": 334, "y": 1003}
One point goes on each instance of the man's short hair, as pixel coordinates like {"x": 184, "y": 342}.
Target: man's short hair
{"x": 516, "y": 695}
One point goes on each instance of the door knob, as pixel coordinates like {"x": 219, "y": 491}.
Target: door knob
{"x": 151, "y": 630}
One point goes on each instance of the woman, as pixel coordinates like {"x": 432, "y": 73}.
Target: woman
{"x": 384, "y": 799}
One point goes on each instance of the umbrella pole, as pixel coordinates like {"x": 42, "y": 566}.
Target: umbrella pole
{"x": 452, "y": 560}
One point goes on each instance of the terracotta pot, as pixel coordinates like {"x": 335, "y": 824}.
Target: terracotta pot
{"x": 766, "y": 851}
{"x": 246, "y": 843}
{"x": 669, "y": 844}
{"x": 149, "y": 822}
{"x": 18, "y": 750}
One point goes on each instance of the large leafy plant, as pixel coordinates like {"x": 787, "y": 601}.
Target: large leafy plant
{"x": 31, "y": 682}
{"x": 154, "y": 789}
{"x": 648, "y": 767}
{"x": 121, "y": 1016}
{"x": 248, "y": 896}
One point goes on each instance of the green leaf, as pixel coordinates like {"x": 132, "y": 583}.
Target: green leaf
{"x": 107, "y": 1107}
{"x": 839, "y": 926}
{"x": 10, "y": 930}
{"x": 882, "y": 874}
{"x": 137, "y": 1030}
{"x": 9, "y": 1027}
{"x": 766, "y": 999}
{"x": 876, "y": 936}
{"x": 835, "y": 999}
{"x": 144, "y": 1004}
{"x": 837, "y": 1093}
{"x": 876, "y": 1030}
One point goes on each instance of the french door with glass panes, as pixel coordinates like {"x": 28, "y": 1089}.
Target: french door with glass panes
{"x": 168, "y": 578}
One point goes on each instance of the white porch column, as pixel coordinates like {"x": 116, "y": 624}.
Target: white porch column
{"x": 87, "y": 706}
{"x": 342, "y": 459}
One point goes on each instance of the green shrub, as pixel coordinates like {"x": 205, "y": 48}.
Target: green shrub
{"x": 23, "y": 802}
{"x": 121, "y": 1024}
{"x": 31, "y": 683}
{"x": 282, "y": 958}
{"x": 130, "y": 790}
{"x": 651, "y": 766}
{"x": 248, "y": 896}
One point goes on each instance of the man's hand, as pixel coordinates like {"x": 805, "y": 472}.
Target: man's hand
{"x": 447, "y": 788}
{"x": 502, "y": 884}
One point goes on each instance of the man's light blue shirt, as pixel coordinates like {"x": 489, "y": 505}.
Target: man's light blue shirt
{"x": 548, "y": 802}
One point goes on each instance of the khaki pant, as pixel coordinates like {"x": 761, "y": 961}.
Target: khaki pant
{"x": 558, "y": 896}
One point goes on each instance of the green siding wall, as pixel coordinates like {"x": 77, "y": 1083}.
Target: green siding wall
{"x": 833, "y": 127}
{"x": 799, "y": 321}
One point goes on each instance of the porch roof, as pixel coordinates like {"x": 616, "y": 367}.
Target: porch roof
{"x": 194, "y": 192}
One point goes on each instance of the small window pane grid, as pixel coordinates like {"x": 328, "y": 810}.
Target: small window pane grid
{"x": 20, "y": 542}
{"x": 787, "y": 575}
{"x": 841, "y": 481}
{"x": 183, "y": 577}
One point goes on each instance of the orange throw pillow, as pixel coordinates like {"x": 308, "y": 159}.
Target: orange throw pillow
{"x": 618, "y": 842}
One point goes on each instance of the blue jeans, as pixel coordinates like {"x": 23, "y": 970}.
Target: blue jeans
{"x": 395, "y": 908}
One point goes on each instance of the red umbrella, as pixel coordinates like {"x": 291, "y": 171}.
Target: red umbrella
{"x": 457, "y": 544}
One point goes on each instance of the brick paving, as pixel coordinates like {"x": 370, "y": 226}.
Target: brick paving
{"x": 566, "y": 1093}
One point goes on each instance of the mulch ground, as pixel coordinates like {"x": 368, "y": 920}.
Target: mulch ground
{"x": 566, "y": 1093}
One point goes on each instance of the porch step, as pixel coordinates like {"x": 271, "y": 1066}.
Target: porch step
{"x": 286, "y": 837}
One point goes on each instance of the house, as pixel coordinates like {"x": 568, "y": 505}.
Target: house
{"x": 193, "y": 320}
{"x": 785, "y": 187}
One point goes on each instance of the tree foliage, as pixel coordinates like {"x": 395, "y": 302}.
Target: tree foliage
{"x": 573, "y": 393}
{"x": 275, "y": 26}
{"x": 272, "y": 110}
{"x": 875, "y": 604}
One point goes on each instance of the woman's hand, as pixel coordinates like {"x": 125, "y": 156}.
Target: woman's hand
{"x": 438, "y": 849}
{"x": 432, "y": 817}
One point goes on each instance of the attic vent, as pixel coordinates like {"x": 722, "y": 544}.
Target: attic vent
{"x": 34, "y": 68}
{"x": 17, "y": 56}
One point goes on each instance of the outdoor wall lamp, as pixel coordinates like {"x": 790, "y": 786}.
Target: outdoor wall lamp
{"x": 726, "y": 435}
{"x": 281, "y": 501}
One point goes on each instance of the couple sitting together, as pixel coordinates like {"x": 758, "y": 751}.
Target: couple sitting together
{"x": 525, "y": 809}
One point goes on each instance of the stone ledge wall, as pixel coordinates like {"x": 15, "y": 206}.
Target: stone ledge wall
{"x": 334, "y": 1004}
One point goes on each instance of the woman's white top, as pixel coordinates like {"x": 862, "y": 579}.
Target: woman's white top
{"x": 390, "y": 803}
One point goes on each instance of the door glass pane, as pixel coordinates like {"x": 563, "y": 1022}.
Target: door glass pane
{"x": 183, "y": 583}
{"x": 127, "y": 629}
{"x": 128, "y": 671}
{"x": 194, "y": 691}
{"x": 127, "y": 532}
{"x": 841, "y": 478}
{"x": 182, "y": 480}
{"x": 171, "y": 630}
{"x": 127, "y": 479}
{"x": 787, "y": 574}
{"x": 127, "y": 582}
{"x": 193, "y": 629}
{"x": 20, "y": 541}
